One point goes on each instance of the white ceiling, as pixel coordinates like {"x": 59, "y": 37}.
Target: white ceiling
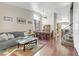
{"x": 44, "y": 8}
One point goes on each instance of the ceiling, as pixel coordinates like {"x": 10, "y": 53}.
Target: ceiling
{"x": 44, "y": 8}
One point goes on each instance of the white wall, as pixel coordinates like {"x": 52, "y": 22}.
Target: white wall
{"x": 49, "y": 21}
{"x": 76, "y": 26}
{"x": 14, "y": 12}
{"x": 63, "y": 14}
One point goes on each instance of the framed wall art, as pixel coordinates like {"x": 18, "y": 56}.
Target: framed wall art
{"x": 7, "y": 18}
{"x": 29, "y": 22}
{"x": 21, "y": 20}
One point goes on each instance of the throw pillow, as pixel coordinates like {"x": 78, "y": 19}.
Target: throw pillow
{"x": 4, "y": 36}
{"x": 25, "y": 33}
{"x": 10, "y": 36}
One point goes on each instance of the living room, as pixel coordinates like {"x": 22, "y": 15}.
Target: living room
{"x": 36, "y": 29}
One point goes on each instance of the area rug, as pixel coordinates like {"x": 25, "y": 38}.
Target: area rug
{"x": 14, "y": 51}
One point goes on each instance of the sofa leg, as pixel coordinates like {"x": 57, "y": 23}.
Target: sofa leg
{"x": 18, "y": 45}
{"x": 24, "y": 48}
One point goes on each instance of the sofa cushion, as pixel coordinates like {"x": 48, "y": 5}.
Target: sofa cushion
{"x": 8, "y": 43}
{"x": 18, "y": 34}
{"x": 2, "y": 39}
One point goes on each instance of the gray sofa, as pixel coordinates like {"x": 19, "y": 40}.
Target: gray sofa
{"x": 11, "y": 42}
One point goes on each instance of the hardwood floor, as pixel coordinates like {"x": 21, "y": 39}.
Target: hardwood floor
{"x": 53, "y": 49}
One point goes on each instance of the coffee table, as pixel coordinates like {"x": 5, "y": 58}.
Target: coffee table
{"x": 24, "y": 41}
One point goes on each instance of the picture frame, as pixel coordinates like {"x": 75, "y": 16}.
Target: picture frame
{"x": 21, "y": 20}
{"x": 8, "y": 18}
{"x": 29, "y": 22}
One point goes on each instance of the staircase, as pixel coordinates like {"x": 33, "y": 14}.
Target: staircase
{"x": 67, "y": 38}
